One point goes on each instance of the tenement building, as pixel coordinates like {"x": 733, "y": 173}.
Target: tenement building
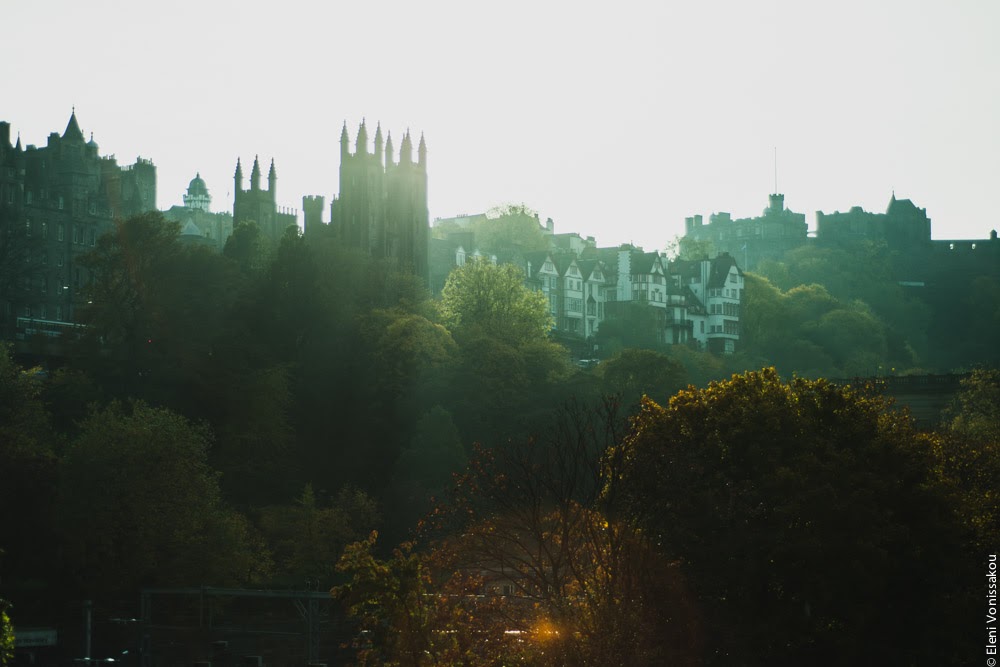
{"x": 55, "y": 201}
{"x": 381, "y": 209}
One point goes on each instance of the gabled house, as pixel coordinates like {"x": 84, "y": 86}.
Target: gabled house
{"x": 713, "y": 289}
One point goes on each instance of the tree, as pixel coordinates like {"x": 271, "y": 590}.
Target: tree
{"x": 307, "y": 539}
{"x": 139, "y": 506}
{"x": 968, "y": 453}
{"x": 481, "y": 298}
{"x": 633, "y": 373}
{"x": 802, "y": 513}
{"x": 510, "y": 228}
{"x": 247, "y": 248}
{"x": 156, "y": 307}
{"x": 28, "y": 447}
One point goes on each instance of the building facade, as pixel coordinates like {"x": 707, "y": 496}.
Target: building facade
{"x": 55, "y": 201}
{"x": 381, "y": 208}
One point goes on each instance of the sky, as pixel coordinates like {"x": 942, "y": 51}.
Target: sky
{"x": 617, "y": 120}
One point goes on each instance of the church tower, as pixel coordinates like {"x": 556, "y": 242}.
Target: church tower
{"x": 381, "y": 209}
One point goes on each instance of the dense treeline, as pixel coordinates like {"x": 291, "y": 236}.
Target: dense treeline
{"x": 242, "y": 419}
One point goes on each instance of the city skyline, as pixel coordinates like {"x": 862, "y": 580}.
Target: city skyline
{"x": 616, "y": 123}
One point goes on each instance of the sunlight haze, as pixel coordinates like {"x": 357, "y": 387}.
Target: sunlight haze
{"x": 616, "y": 120}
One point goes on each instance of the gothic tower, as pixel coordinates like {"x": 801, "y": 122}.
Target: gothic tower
{"x": 381, "y": 209}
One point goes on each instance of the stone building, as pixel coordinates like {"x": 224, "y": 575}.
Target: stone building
{"x": 381, "y": 208}
{"x": 767, "y": 236}
{"x": 903, "y": 226}
{"x": 55, "y": 202}
{"x": 261, "y": 206}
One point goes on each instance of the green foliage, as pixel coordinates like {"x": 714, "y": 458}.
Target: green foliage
{"x": 634, "y": 373}
{"x": 802, "y": 512}
{"x": 306, "y": 539}
{"x": 968, "y": 454}
{"x": 862, "y": 278}
{"x": 248, "y": 248}
{"x": 27, "y": 471}
{"x": 809, "y": 332}
{"x": 139, "y": 506}
{"x": 156, "y": 307}
{"x": 485, "y": 299}
{"x": 511, "y": 228}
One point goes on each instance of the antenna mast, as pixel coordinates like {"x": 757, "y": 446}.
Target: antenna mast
{"x": 775, "y": 170}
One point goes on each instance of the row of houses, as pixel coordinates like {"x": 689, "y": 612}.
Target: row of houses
{"x": 670, "y": 302}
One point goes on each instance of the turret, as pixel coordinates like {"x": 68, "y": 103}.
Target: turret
{"x": 361, "y": 147}
{"x": 378, "y": 140}
{"x": 422, "y": 152}
{"x": 238, "y": 176}
{"x": 255, "y": 175}
{"x": 388, "y": 151}
{"x": 776, "y": 203}
{"x": 272, "y": 179}
{"x": 345, "y": 142}
{"x": 406, "y": 150}
{"x": 73, "y": 129}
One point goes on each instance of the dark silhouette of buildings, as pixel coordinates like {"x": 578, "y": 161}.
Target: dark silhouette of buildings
{"x": 55, "y": 201}
{"x": 260, "y": 206}
{"x": 199, "y": 225}
{"x": 752, "y": 240}
{"x": 381, "y": 209}
{"x": 903, "y": 226}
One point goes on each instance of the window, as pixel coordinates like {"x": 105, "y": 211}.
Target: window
{"x": 61, "y": 233}
{"x": 60, "y": 259}
{"x": 27, "y": 226}
{"x": 45, "y": 230}
{"x": 62, "y": 203}
{"x": 27, "y": 197}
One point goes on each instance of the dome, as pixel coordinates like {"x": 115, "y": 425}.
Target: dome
{"x": 197, "y": 186}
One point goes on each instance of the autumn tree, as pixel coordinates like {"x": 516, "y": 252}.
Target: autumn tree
{"x": 530, "y": 561}
{"x": 802, "y": 513}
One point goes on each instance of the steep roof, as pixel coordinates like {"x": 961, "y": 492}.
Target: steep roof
{"x": 719, "y": 271}
{"x": 73, "y": 129}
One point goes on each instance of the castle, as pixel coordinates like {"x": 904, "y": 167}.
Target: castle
{"x": 382, "y": 206}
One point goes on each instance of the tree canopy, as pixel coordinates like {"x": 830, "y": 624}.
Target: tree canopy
{"x": 485, "y": 299}
{"x": 802, "y": 513}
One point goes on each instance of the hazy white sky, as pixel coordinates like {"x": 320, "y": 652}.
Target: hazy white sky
{"x": 615, "y": 119}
